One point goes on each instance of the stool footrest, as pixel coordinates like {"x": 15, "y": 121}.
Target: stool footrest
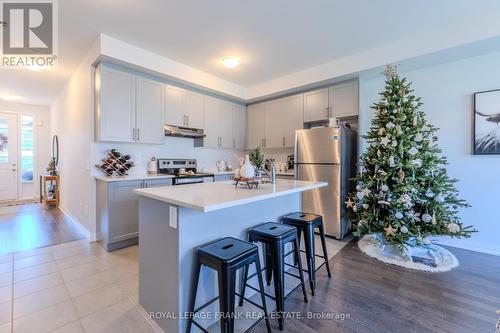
{"x": 305, "y": 270}
{"x": 205, "y": 305}
{"x": 250, "y": 301}
{"x": 316, "y": 255}
{"x": 199, "y": 326}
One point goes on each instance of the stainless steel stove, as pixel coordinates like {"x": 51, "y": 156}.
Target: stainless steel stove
{"x": 184, "y": 171}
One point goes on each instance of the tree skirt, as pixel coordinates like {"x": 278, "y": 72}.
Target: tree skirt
{"x": 430, "y": 258}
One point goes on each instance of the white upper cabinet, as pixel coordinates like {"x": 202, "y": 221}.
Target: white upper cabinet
{"x": 256, "y": 126}
{"x": 316, "y": 105}
{"x": 293, "y": 118}
{"x": 225, "y": 120}
{"x": 239, "y": 128}
{"x": 211, "y": 122}
{"x": 344, "y": 101}
{"x": 283, "y": 117}
{"x": 149, "y": 118}
{"x": 194, "y": 109}
{"x": 175, "y": 106}
{"x": 218, "y": 121}
{"x": 274, "y": 124}
{"x": 115, "y": 105}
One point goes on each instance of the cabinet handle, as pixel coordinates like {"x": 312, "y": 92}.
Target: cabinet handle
{"x": 138, "y": 135}
{"x": 328, "y": 112}
{"x": 234, "y": 142}
{"x": 133, "y": 134}
{"x": 187, "y": 120}
{"x": 284, "y": 140}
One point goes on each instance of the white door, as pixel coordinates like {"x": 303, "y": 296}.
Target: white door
{"x": 175, "y": 106}
{"x": 316, "y": 105}
{"x": 274, "y": 124}
{"x": 256, "y": 125}
{"x": 238, "y": 126}
{"x": 293, "y": 118}
{"x": 149, "y": 111}
{"x": 344, "y": 100}
{"x": 8, "y": 156}
{"x": 194, "y": 110}
{"x": 116, "y": 107}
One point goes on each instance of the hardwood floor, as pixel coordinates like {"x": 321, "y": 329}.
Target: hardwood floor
{"x": 383, "y": 298}
{"x": 30, "y": 226}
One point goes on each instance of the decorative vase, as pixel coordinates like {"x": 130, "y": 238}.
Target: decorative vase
{"x": 247, "y": 170}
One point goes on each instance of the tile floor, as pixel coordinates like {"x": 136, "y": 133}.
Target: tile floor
{"x": 71, "y": 287}
{"x": 76, "y": 287}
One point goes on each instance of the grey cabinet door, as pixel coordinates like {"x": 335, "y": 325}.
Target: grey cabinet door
{"x": 221, "y": 178}
{"x": 123, "y": 211}
{"x": 157, "y": 182}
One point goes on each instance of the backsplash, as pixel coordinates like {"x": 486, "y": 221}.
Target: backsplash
{"x": 172, "y": 148}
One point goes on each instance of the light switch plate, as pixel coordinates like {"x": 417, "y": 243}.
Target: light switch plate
{"x": 172, "y": 217}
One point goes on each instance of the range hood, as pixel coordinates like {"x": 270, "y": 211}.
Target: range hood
{"x": 184, "y": 132}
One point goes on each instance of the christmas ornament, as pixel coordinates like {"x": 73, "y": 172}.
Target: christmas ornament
{"x": 429, "y": 194}
{"x": 359, "y": 187}
{"x": 413, "y": 151}
{"x": 401, "y": 175}
{"x": 389, "y": 125}
{"x": 434, "y": 218}
{"x": 355, "y": 208}
{"x": 399, "y": 215}
{"x": 366, "y": 206}
{"x": 367, "y": 191}
{"x": 394, "y": 143}
{"x": 383, "y": 202}
{"x": 360, "y": 195}
{"x": 349, "y": 203}
{"x": 418, "y": 137}
{"x": 416, "y": 162}
{"x": 385, "y": 141}
{"x": 398, "y": 129}
{"x": 426, "y": 218}
{"x": 404, "y": 229}
{"x": 415, "y": 120}
{"x": 453, "y": 228}
{"x": 384, "y": 188}
{"x": 389, "y": 231}
{"x": 391, "y": 161}
{"x": 381, "y": 131}
{"x": 439, "y": 198}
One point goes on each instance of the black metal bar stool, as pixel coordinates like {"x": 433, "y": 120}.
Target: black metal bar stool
{"x": 307, "y": 223}
{"x": 226, "y": 256}
{"x": 274, "y": 236}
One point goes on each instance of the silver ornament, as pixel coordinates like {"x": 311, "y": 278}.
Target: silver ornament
{"x": 426, "y": 218}
{"x": 399, "y": 215}
{"x": 429, "y": 193}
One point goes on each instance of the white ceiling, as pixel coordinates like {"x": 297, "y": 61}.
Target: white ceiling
{"x": 273, "y": 37}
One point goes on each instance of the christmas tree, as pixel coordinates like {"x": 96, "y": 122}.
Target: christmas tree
{"x": 403, "y": 190}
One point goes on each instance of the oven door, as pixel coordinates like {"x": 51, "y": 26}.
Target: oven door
{"x": 187, "y": 180}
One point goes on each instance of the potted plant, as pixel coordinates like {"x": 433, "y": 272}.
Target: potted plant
{"x": 257, "y": 159}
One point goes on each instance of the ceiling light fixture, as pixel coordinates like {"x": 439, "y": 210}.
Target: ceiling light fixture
{"x": 8, "y": 97}
{"x": 231, "y": 61}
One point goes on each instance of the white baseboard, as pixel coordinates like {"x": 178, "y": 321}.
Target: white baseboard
{"x": 91, "y": 236}
{"x": 466, "y": 245}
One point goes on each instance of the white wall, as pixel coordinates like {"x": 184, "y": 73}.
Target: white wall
{"x": 42, "y": 142}
{"x": 447, "y": 92}
{"x": 72, "y": 118}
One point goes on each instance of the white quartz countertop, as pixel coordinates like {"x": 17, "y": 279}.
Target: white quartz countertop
{"x": 143, "y": 176}
{"x": 207, "y": 197}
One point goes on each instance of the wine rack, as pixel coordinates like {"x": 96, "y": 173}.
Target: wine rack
{"x": 115, "y": 163}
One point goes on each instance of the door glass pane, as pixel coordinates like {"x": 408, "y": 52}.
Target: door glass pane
{"x": 4, "y": 141}
{"x": 27, "y": 148}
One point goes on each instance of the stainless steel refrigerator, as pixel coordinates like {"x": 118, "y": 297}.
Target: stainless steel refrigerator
{"x": 327, "y": 154}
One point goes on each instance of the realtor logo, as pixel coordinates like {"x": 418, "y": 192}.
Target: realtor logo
{"x": 29, "y": 36}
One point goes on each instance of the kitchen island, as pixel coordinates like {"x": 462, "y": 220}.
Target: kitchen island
{"x": 174, "y": 221}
